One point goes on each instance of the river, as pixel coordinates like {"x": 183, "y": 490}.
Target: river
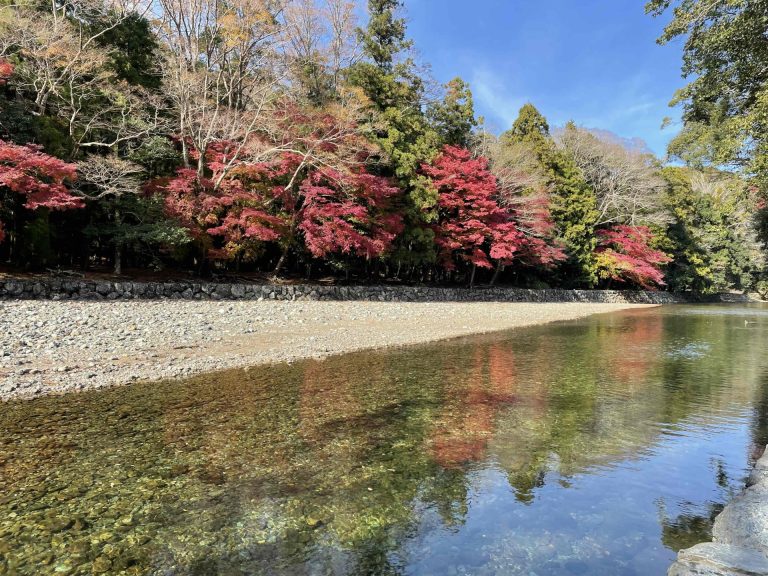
{"x": 598, "y": 446}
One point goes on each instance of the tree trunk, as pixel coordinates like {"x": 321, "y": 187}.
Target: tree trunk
{"x": 118, "y": 259}
{"x": 202, "y": 267}
{"x": 118, "y": 245}
{"x": 281, "y": 260}
{"x": 472, "y": 277}
{"x": 287, "y": 247}
{"x": 499, "y": 270}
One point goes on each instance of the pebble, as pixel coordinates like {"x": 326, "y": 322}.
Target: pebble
{"x": 118, "y": 342}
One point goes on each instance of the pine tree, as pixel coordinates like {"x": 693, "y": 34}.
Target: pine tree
{"x": 391, "y": 82}
{"x": 384, "y": 37}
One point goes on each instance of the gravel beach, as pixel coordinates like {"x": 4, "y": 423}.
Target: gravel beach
{"x": 49, "y": 347}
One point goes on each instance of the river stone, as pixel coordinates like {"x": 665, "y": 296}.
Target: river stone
{"x": 744, "y": 521}
{"x": 715, "y": 559}
{"x": 760, "y": 473}
{"x": 101, "y": 565}
{"x": 757, "y": 477}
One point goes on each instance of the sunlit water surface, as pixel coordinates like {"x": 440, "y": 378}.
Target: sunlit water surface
{"x": 595, "y": 447}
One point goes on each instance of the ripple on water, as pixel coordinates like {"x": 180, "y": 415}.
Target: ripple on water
{"x": 596, "y": 447}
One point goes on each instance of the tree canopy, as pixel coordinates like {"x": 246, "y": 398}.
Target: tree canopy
{"x": 262, "y": 137}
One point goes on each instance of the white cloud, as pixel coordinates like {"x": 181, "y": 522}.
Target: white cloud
{"x": 496, "y": 103}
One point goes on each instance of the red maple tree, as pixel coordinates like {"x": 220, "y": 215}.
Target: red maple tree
{"x": 471, "y": 226}
{"x": 235, "y": 210}
{"x": 335, "y": 212}
{"x": 624, "y": 254}
{"x": 39, "y": 178}
{"x": 348, "y": 214}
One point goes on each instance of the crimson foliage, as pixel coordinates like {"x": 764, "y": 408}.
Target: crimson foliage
{"x": 39, "y": 178}
{"x": 624, "y": 255}
{"x": 6, "y": 69}
{"x": 349, "y": 214}
{"x": 537, "y": 245}
{"x": 337, "y": 212}
{"x": 472, "y": 226}
{"x": 234, "y": 208}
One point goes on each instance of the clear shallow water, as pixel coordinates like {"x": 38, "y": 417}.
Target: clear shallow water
{"x": 595, "y": 447}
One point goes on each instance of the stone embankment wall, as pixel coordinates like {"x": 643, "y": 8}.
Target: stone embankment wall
{"x": 56, "y": 289}
{"x": 739, "y": 544}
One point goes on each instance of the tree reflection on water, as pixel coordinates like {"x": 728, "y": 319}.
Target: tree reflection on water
{"x": 555, "y": 447}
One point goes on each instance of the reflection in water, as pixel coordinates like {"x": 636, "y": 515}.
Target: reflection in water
{"x": 592, "y": 447}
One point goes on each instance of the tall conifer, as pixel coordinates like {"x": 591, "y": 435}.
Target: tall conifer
{"x": 572, "y": 200}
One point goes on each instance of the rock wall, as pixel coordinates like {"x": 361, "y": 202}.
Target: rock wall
{"x": 739, "y": 544}
{"x": 56, "y": 289}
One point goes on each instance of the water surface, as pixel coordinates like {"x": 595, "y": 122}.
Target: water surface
{"x": 599, "y": 446}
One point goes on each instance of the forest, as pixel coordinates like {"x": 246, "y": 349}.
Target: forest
{"x": 295, "y": 139}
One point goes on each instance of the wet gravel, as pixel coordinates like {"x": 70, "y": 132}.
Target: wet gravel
{"x": 49, "y": 347}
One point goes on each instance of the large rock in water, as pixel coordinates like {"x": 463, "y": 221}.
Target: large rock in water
{"x": 740, "y": 535}
{"x": 744, "y": 521}
{"x": 760, "y": 473}
{"x": 713, "y": 559}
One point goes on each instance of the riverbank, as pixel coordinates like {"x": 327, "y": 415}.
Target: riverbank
{"x": 50, "y": 347}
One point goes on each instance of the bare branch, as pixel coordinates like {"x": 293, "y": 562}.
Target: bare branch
{"x": 626, "y": 180}
{"x": 108, "y": 176}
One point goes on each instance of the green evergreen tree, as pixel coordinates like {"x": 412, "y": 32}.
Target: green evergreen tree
{"x": 454, "y": 117}
{"x": 725, "y": 103}
{"x": 531, "y": 128}
{"x": 390, "y": 79}
{"x": 134, "y": 53}
{"x": 574, "y": 210}
{"x": 573, "y": 204}
{"x": 712, "y": 237}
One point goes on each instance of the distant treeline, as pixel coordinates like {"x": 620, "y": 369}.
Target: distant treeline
{"x": 278, "y": 136}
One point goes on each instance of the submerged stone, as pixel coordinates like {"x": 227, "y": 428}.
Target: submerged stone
{"x": 494, "y": 454}
{"x": 101, "y": 565}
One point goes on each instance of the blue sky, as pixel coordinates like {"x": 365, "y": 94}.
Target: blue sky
{"x": 592, "y": 61}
